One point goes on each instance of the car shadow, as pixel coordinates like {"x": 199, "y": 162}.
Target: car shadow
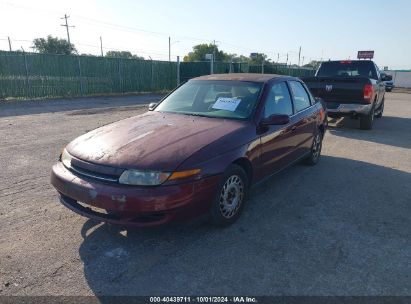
{"x": 30, "y": 107}
{"x": 341, "y": 227}
{"x": 388, "y": 130}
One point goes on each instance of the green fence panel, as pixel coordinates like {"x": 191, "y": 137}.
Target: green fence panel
{"x": 190, "y": 70}
{"x": 32, "y": 75}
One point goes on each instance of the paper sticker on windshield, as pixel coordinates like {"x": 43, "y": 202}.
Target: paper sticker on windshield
{"x": 226, "y": 103}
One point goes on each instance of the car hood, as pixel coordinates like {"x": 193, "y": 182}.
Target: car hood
{"x": 151, "y": 141}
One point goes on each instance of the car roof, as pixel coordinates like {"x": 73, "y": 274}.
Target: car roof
{"x": 253, "y": 77}
{"x": 349, "y": 60}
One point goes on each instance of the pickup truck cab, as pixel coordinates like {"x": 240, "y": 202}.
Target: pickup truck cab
{"x": 353, "y": 88}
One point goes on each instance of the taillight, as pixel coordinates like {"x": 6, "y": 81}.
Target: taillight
{"x": 368, "y": 92}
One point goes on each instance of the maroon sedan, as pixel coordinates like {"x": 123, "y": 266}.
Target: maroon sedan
{"x": 197, "y": 151}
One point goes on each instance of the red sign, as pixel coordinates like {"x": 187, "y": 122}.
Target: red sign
{"x": 365, "y": 55}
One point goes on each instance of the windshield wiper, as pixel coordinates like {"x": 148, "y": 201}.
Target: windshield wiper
{"x": 196, "y": 114}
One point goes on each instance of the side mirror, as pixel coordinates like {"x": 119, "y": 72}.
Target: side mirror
{"x": 152, "y": 106}
{"x": 276, "y": 119}
{"x": 385, "y": 77}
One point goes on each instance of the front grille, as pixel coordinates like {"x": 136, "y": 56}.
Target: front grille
{"x": 93, "y": 175}
{"x": 94, "y": 171}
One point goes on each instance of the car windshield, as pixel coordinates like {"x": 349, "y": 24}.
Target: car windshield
{"x": 213, "y": 98}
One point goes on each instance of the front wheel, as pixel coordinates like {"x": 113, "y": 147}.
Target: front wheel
{"x": 231, "y": 195}
{"x": 315, "y": 152}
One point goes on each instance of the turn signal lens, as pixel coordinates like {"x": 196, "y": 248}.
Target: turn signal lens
{"x": 183, "y": 174}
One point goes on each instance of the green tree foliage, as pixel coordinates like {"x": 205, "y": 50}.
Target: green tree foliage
{"x": 239, "y": 58}
{"x": 258, "y": 59}
{"x": 312, "y": 64}
{"x": 123, "y": 54}
{"x": 200, "y": 50}
{"x": 53, "y": 45}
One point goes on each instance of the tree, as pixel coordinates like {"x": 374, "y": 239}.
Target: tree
{"x": 239, "y": 58}
{"x": 312, "y": 64}
{"x": 200, "y": 50}
{"x": 123, "y": 54}
{"x": 258, "y": 58}
{"x": 53, "y": 45}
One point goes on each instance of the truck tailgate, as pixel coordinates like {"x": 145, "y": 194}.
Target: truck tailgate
{"x": 338, "y": 89}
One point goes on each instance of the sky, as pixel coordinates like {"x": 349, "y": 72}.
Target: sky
{"x": 324, "y": 29}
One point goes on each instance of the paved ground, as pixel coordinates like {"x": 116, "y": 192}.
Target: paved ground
{"x": 340, "y": 228}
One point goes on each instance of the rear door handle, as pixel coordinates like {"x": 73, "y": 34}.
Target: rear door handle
{"x": 293, "y": 128}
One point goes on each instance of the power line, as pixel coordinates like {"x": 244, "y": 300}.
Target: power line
{"x": 124, "y": 28}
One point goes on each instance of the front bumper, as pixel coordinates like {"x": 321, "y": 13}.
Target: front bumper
{"x": 348, "y": 108}
{"x": 133, "y": 205}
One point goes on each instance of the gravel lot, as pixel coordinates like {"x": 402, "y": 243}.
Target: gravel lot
{"x": 340, "y": 228}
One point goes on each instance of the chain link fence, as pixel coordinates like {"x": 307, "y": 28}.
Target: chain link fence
{"x": 31, "y": 75}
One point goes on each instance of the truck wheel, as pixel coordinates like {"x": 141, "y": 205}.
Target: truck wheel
{"x": 380, "y": 109}
{"x": 231, "y": 195}
{"x": 367, "y": 121}
{"x": 315, "y": 152}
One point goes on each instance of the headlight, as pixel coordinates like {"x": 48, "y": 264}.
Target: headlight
{"x": 66, "y": 159}
{"x": 153, "y": 178}
{"x": 143, "y": 178}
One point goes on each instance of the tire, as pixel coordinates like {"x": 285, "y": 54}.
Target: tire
{"x": 367, "y": 121}
{"x": 380, "y": 109}
{"x": 315, "y": 152}
{"x": 230, "y": 198}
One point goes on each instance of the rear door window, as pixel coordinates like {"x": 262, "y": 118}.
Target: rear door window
{"x": 300, "y": 96}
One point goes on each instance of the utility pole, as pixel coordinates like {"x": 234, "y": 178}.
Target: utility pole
{"x": 178, "y": 70}
{"x": 214, "y": 51}
{"x": 67, "y": 27}
{"x": 286, "y": 60}
{"x": 212, "y": 65}
{"x": 169, "y": 48}
{"x": 9, "y": 43}
{"x": 101, "y": 47}
{"x": 278, "y": 57}
{"x": 299, "y": 56}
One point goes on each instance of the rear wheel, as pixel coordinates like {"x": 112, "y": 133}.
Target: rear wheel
{"x": 231, "y": 195}
{"x": 315, "y": 152}
{"x": 367, "y": 121}
{"x": 380, "y": 109}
